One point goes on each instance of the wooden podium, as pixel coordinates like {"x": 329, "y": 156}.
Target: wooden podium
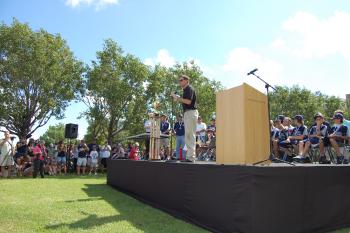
{"x": 242, "y": 125}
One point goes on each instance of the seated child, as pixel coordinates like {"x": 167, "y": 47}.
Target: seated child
{"x": 316, "y": 134}
{"x": 338, "y": 137}
{"x": 299, "y": 133}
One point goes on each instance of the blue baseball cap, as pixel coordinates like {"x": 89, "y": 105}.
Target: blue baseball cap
{"x": 281, "y": 117}
{"x": 318, "y": 115}
{"x": 338, "y": 116}
{"x": 298, "y": 117}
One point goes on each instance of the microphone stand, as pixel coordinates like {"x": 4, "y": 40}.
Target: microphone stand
{"x": 271, "y": 157}
{"x": 171, "y": 128}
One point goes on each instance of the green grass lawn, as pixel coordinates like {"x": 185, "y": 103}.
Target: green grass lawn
{"x": 78, "y": 204}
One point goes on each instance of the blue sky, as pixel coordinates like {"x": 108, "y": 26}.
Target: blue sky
{"x": 290, "y": 42}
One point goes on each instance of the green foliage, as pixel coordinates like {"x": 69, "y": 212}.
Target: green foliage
{"x": 115, "y": 85}
{"x": 163, "y": 81}
{"x": 296, "y": 100}
{"x": 39, "y": 76}
{"x": 119, "y": 96}
{"x": 54, "y": 134}
{"x": 206, "y": 89}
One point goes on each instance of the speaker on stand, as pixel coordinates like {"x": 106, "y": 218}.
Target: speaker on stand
{"x": 71, "y": 132}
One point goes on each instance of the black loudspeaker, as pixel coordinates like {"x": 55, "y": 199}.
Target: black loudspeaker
{"x": 71, "y": 131}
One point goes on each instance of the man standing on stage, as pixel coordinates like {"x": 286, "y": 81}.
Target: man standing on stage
{"x": 189, "y": 106}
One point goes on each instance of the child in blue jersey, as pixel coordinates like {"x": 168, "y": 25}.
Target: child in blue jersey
{"x": 315, "y": 137}
{"x": 287, "y": 123}
{"x": 338, "y": 136}
{"x": 279, "y": 136}
{"x": 299, "y": 133}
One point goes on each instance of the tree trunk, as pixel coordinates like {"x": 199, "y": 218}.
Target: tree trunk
{"x": 110, "y": 130}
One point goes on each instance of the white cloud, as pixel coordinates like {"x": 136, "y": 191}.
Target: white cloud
{"x": 307, "y": 36}
{"x": 98, "y": 4}
{"x": 241, "y": 60}
{"x": 233, "y": 71}
{"x": 163, "y": 58}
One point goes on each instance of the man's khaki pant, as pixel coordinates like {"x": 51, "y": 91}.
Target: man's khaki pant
{"x": 190, "y": 121}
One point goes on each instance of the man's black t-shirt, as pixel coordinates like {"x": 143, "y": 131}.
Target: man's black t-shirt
{"x": 190, "y": 94}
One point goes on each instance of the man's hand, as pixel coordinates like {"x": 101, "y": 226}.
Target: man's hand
{"x": 175, "y": 96}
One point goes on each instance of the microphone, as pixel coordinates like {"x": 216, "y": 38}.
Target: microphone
{"x": 175, "y": 94}
{"x": 252, "y": 72}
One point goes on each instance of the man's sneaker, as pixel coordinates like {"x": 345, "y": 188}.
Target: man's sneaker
{"x": 345, "y": 161}
{"x": 306, "y": 160}
{"x": 187, "y": 160}
{"x": 324, "y": 160}
{"x": 298, "y": 158}
{"x": 289, "y": 158}
{"x": 340, "y": 159}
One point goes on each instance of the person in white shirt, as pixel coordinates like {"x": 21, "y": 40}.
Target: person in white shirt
{"x": 94, "y": 160}
{"x": 105, "y": 153}
{"x": 6, "y": 156}
{"x": 201, "y": 130}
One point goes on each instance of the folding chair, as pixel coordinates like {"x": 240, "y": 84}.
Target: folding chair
{"x": 314, "y": 153}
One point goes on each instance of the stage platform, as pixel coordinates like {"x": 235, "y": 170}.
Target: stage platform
{"x": 231, "y": 198}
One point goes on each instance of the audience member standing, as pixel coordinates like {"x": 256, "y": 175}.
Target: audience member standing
{"x": 6, "y": 156}
{"x": 165, "y": 129}
{"x": 179, "y": 129}
{"x": 201, "y": 131}
{"x": 82, "y": 159}
{"x": 61, "y": 157}
{"x": 105, "y": 154}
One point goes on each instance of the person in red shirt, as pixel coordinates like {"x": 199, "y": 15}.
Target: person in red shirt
{"x": 38, "y": 162}
{"x": 134, "y": 152}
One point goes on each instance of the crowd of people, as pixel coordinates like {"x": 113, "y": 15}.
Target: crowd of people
{"x": 292, "y": 140}
{"x": 30, "y": 158}
{"x": 204, "y": 136}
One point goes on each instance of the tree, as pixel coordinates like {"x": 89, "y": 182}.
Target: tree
{"x": 54, "y": 134}
{"x": 291, "y": 101}
{"x": 39, "y": 76}
{"x": 163, "y": 81}
{"x": 206, "y": 89}
{"x": 115, "y": 85}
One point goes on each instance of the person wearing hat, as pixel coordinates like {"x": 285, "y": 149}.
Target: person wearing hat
{"x": 315, "y": 137}
{"x": 345, "y": 121}
{"x": 189, "y": 105}
{"x": 281, "y": 117}
{"x": 211, "y": 136}
{"x": 179, "y": 130}
{"x": 212, "y": 125}
{"x": 338, "y": 136}
{"x": 299, "y": 133}
{"x": 6, "y": 155}
{"x": 280, "y": 134}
